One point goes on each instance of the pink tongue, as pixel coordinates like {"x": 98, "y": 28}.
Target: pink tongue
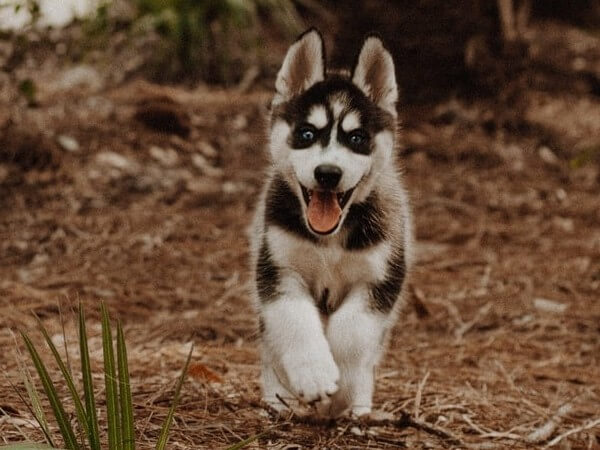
{"x": 323, "y": 211}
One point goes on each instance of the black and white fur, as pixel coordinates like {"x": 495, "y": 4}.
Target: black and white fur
{"x": 326, "y": 301}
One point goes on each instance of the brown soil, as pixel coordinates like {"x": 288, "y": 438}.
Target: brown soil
{"x": 139, "y": 196}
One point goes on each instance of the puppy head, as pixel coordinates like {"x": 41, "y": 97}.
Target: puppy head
{"x": 331, "y": 134}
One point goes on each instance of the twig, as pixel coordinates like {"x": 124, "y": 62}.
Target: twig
{"x": 490, "y": 433}
{"x": 450, "y": 308}
{"x": 586, "y": 426}
{"x": 419, "y": 395}
{"x": 481, "y": 313}
{"x": 405, "y": 421}
{"x": 543, "y": 432}
{"x": 15, "y": 424}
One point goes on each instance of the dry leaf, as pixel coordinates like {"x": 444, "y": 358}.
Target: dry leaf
{"x": 201, "y": 372}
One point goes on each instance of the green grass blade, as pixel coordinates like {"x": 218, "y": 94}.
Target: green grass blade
{"x": 245, "y": 442}
{"x": 55, "y": 403}
{"x": 33, "y": 413}
{"x": 64, "y": 334}
{"x": 81, "y": 414}
{"x": 164, "y": 432}
{"x": 35, "y": 409}
{"x": 127, "y": 431}
{"x": 88, "y": 384}
{"x": 110, "y": 381}
{"x": 36, "y": 404}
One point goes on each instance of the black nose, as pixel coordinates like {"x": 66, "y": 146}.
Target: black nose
{"x": 328, "y": 176}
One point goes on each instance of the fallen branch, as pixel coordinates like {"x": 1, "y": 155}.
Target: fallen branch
{"x": 543, "y": 432}
{"x": 481, "y": 313}
{"x": 586, "y": 426}
{"x": 491, "y": 433}
{"x": 419, "y": 394}
{"x": 405, "y": 421}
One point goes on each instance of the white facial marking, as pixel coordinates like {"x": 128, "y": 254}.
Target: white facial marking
{"x": 337, "y": 106}
{"x": 384, "y": 144}
{"x": 351, "y": 121}
{"x": 317, "y": 116}
{"x": 353, "y": 165}
{"x": 278, "y": 145}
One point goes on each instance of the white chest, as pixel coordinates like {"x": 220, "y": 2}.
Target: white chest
{"x": 328, "y": 270}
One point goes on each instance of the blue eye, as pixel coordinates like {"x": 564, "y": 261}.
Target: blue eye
{"x": 357, "y": 138}
{"x": 307, "y": 134}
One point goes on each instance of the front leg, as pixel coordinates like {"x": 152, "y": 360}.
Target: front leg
{"x": 296, "y": 355}
{"x": 356, "y": 333}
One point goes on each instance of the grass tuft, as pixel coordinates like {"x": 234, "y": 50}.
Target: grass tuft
{"x": 119, "y": 405}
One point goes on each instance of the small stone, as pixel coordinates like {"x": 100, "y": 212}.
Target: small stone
{"x": 579, "y": 64}
{"x": 20, "y": 245}
{"x": 357, "y": 431}
{"x": 550, "y": 306}
{"x": 116, "y": 160}
{"x": 548, "y": 156}
{"x": 239, "y": 122}
{"x": 68, "y": 143}
{"x": 230, "y": 188}
{"x": 203, "y": 187}
{"x": 39, "y": 259}
{"x": 30, "y": 275}
{"x": 207, "y": 149}
{"x": 565, "y": 224}
{"x": 82, "y": 75}
{"x": 167, "y": 157}
{"x": 202, "y": 163}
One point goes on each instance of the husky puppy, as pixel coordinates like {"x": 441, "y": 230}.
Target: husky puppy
{"x": 331, "y": 236}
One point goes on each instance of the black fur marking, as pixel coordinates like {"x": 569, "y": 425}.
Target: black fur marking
{"x": 322, "y": 135}
{"x": 261, "y": 326}
{"x": 267, "y": 275}
{"x": 323, "y": 306}
{"x": 364, "y": 148}
{"x": 373, "y": 118}
{"x": 284, "y": 210}
{"x": 385, "y": 293}
{"x": 365, "y": 224}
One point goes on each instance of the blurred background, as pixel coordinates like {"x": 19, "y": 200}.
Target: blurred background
{"x": 132, "y": 138}
{"x": 474, "y": 48}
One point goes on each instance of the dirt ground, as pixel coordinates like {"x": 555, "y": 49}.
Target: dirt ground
{"x": 139, "y": 196}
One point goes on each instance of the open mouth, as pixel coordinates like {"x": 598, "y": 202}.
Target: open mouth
{"x": 324, "y": 208}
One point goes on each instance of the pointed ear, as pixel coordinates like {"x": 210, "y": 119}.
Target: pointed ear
{"x": 374, "y": 74}
{"x": 303, "y": 66}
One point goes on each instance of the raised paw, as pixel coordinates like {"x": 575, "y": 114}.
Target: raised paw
{"x": 313, "y": 378}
